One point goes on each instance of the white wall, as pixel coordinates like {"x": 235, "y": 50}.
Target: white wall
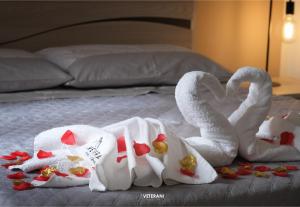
{"x": 290, "y": 52}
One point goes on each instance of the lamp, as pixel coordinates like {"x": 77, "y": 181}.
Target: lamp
{"x": 288, "y": 31}
{"x": 274, "y": 84}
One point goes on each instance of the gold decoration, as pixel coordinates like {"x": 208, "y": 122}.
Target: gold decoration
{"x": 47, "y": 172}
{"x": 160, "y": 147}
{"x": 78, "y": 171}
{"x": 189, "y": 163}
{"x": 261, "y": 174}
{"x": 74, "y": 158}
{"x": 280, "y": 169}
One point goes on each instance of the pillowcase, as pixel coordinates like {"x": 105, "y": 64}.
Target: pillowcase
{"x": 21, "y": 70}
{"x": 129, "y": 65}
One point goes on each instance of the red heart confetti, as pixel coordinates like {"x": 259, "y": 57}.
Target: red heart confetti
{"x": 281, "y": 174}
{"x": 23, "y": 186}
{"x": 244, "y": 171}
{"x": 286, "y": 138}
{"x": 121, "y": 144}
{"x": 160, "y": 138}
{"x": 18, "y": 175}
{"x": 57, "y": 173}
{"x": 141, "y": 149}
{"x": 19, "y": 154}
{"x": 291, "y": 167}
{"x": 120, "y": 158}
{"x": 41, "y": 178}
{"x": 25, "y": 158}
{"x": 68, "y": 138}
{"x": 262, "y": 168}
{"x": 44, "y": 154}
{"x": 8, "y": 157}
{"x": 187, "y": 172}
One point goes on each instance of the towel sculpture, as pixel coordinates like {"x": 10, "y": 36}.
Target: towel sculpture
{"x": 259, "y": 143}
{"x": 143, "y": 152}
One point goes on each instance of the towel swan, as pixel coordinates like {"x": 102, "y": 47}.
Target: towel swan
{"x": 252, "y": 113}
{"x": 218, "y": 142}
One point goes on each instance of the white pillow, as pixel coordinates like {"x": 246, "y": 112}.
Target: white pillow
{"x": 21, "y": 70}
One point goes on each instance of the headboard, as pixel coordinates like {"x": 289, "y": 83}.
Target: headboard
{"x": 33, "y": 25}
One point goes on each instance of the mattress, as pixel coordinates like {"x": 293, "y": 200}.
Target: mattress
{"x": 20, "y": 121}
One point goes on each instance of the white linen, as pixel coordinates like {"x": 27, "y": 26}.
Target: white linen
{"x": 251, "y": 114}
{"x": 106, "y": 173}
{"x": 218, "y": 142}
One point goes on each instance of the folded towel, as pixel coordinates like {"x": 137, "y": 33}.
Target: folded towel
{"x": 138, "y": 151}
{"x": 252, "y": 113}
{"x": 218, "y": 142}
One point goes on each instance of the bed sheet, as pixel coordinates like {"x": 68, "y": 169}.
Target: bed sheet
{"x": 21, "y": 121}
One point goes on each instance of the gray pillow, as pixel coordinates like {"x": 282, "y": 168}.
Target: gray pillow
{"x": 137, "y": 69}
{"x": 21, "y": 71}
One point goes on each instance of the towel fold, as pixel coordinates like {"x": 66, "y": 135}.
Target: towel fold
{"x": 218, "y": 142}
{"x": 252, "y": 113}
{"x": 135, "y": 151}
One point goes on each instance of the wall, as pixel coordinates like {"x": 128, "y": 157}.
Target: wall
{"x": 234, "y": 32}
{"x": 290, "y": 52}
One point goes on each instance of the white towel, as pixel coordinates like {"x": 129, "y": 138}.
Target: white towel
{"x": 135, "y": 151}
{"x": 218, "y": 142}
{"x": 251, "y": 114}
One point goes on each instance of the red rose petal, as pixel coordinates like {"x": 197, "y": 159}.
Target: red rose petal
{"x": 61, "y": 174}
{"x": 68, "y": 138}
{"x": 7, "y": 165}
{"x": 245, "y": 164}
{"x": 23, "y": 186}
{"x": 286, "y": 138}
{"x": 187, "y": 172}
{"x": 160, "y": 138}
{"x": 141, "y": 149}
{"x": 20, "y": 154}
{"x": 243, "y": 171}
{"x": 43, "y": 154}
{"x": 41, "y": 178}
{"x": 267, "y": 140}
{"x": 262, "y": 168}
{"x": 8, "y": 157}
{"x": 281, "y": 174}
{"x": 120, "y": 158}
{"x": 18, "y": 175}
{"x": 121, "y": 144}
{"x": 291, "y": 167}
{"x": 25, "y": 158}
{"x": 230, "y": 176}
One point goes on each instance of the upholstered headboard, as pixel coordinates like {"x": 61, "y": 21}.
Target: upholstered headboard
{"x": 34, "y": 25}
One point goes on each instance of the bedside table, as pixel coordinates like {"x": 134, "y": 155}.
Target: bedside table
{"x": 289, "y": 86}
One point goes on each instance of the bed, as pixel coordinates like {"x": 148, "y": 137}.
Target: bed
{"x": 24, "y": 114}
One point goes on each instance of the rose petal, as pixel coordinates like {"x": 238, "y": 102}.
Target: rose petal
{"x": 291, "y": 167}
{"x": 43, "y": 154}
{"x": 160, "y": 138}
{"x": 8, "y": 157}
{"x": 286, "y": 138}
{"x": 187, "y": 172}
{"x": 267, "y": 140}
{"x": 23, "y": 186}
{"x": 141, "y": 149}
{"x": 20, "y": 154}
{"x": 25, "y": 158}
{"x": 244, "y": 171}
{"x": 18, "y": 175}
{"x": 121, "y": 144}
{"x": 281, "y": 174}
{"x": 7, "y": 165}
{"x": 120, "y": 158}
{"x": 68, "y": 138}
{"x": 60, "y": 174}
{"x": 230, "y": 176}
{"x": 262, "y": 168}
{"x": 41, "y": 178}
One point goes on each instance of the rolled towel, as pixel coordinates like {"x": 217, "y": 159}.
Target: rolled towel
{"x": 218, "y": 142}
{"x": 135, "y": 151}
{"x": 252, "y": 113}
